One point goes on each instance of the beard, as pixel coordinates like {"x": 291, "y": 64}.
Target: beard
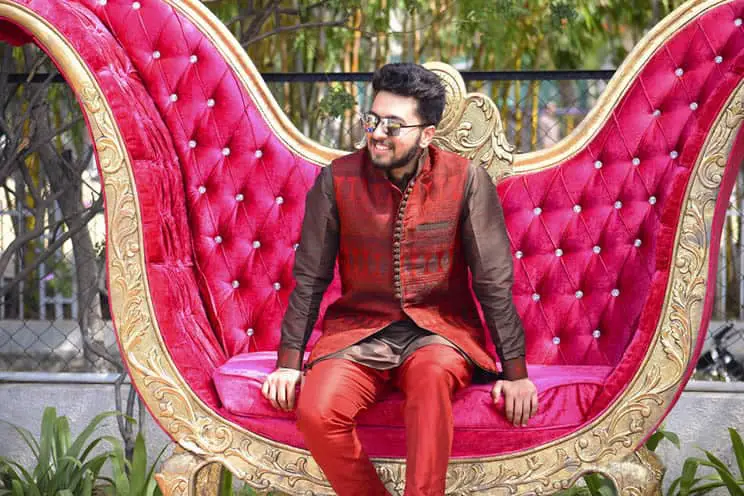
{"x": 399, "y": 162}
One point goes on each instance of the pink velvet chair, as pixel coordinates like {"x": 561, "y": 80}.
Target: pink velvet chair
{"x": 614, "y": 230}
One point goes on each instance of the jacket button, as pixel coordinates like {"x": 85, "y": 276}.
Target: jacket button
{"x": 398, "y": 296}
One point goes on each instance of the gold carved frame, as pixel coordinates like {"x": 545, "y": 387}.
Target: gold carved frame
{"x": 472, "y": 126}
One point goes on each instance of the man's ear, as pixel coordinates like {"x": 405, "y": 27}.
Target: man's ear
{"x": 427, "y": 136}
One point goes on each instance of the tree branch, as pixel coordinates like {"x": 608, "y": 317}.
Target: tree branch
{"x": 296, "y": 27}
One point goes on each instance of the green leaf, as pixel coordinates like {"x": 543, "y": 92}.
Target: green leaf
{"x": 26, "y": 436}
{"x": 726, "y": 476}
{"x": 688, "y": 476}
{"x": 137, "y": 478}
{"x": 738, "y": 445}
{"x": 226, "y": 480}
{"x": 48, "y": 421}
{"x": 653, "y": 440}
{"x": 599, "y": 485}
{"x": 77, "y": 446}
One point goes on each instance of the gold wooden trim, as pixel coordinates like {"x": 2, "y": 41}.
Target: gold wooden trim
{"x": 604, "y": 446}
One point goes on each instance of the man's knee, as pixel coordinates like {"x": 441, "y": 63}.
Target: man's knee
{"x": 438, "y": 367}
{"x": 318, "y": 415}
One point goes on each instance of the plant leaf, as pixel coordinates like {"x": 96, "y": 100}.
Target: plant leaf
{"x": 688, "y": 476}
{"x": 726, "y": 476}
{"x": 738, "y": 449}
{"x": 77, "y": 445}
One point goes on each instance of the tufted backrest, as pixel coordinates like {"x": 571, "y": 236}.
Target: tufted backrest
{"x": 586, "y": 234}
{"x": 244, "y": 189}
{"x": 592, "y": 236}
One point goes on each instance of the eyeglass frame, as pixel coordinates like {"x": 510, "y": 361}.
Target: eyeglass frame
{"x": 385, "y": 128}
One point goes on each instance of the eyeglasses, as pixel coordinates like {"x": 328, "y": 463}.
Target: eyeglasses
{"x": 391, "y": 127}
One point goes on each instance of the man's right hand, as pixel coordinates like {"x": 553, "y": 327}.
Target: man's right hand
{"x": 279, "y": 388}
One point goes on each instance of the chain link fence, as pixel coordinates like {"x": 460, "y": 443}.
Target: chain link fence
{"x": 54, "y": 307}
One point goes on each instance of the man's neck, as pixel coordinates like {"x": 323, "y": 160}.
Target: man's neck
{"x": 402, "y": 175}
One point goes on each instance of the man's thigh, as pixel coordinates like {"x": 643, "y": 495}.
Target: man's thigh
{"x": 434, "y": 364}
{"x": 341, "y": 387}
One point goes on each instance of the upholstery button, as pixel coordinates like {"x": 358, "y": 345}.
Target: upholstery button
{"x": 136, "y": 5}
{"x": 693, "y": 106}
{"x": 155, "y": 54}
{"x": 615, "y": 292}
{"x": 102, "y": 2}
{"x": 519, "y": 254}
{"x": 173, "y": 97}
{"x": 277, "y": 286}
{"x": 239, "y": 197}
{"x": 235, "y": 284}
{"x": 279, "y": 200}
{"x": 556, "y": 340}
{"x": 636, "y": 161}
{"x": 296, "y": 245}
{"x": 637, "y": 243}
{"x": 537, "y": 211}
{"x": 674, "y": 154}
{"x": 579, "y": 294}
{"x": 210, "y": 102}
{"x": 535, "y": 297}
{"x": 218, "y": 239}
{"x": 679, "y": 71}
{"x": 249, "y": 332}
{"x": 193, "y": 59}
{"x": 652, "y": 200}
{"x": 596, "y": 249}
{"x": 226, "y": 151}
{"x": 192, "y": 144}
{"x": 577, "y": 208}
{"x": 718, "y": 59}
{"x": 202, "y": 190}
{"x": 618, "y": 204}
{"x": 558, "y": 252}
{"x": 657, "y": 113}
{"x": 257, "y": 244}
{"x": 596, "y": 333}
{"x": 598, "y": 164}
{"x": 737, "y": 22}
{"x": 258, "y": 154}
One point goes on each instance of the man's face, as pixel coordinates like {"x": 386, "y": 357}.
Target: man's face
{"x": 392, "y": 152}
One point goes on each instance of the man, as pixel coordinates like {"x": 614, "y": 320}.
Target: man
{"x": 406, "y": 221}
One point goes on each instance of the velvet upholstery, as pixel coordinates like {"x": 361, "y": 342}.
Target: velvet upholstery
{"x": 222, "y": 201}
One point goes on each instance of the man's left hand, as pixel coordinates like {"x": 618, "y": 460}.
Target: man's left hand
{"x": 520, "y": 399}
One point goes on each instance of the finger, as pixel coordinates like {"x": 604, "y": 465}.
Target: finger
{"x": 526, "y": 408}
{"x": 517, "y": 410}
{"x": 533, "y": 404}
{"x": 281, "y": 394}
{"x": 272, "y": 395}
{"x": 291, "y": 395}
{"x": 509, "y": 403}
{"x": 496, "y": 392}
{"x": 265, "y": 389}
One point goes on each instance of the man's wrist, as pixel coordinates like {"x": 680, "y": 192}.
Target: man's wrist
{"x": 514, "y": 368}
{"x": 289, "y": 358}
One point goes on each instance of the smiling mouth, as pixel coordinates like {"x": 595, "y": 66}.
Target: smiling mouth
{"x": 377, "y": 146}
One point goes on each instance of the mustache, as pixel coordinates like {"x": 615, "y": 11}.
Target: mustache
{"x": 381, "y": 142}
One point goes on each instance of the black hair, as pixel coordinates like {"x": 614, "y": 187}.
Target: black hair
{"x": 406, "y": 79}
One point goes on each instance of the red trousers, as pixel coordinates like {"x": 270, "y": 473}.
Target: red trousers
{"x": 336, "y": 390}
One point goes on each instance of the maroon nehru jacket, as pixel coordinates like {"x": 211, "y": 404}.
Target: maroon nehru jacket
{"x": 404, "y": 257}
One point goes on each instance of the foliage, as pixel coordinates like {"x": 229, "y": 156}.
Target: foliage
{"x": 133, "y": 478}
{"x": 722, "y": 476}
{"x": 64, "y": 467}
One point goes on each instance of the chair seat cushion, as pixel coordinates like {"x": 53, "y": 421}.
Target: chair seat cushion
{"x": 566, "y": 395}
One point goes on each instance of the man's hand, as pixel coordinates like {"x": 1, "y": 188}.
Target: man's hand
{"x": 279, "y": 388}
{"x": 520, "y": 399}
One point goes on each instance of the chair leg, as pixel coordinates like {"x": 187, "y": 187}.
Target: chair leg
{"x": 186, "y": 474}
{"x": 637, "y": 475}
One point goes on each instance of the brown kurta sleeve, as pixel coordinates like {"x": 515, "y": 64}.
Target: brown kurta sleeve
{"x": 488, "y": 254}
{"x": 313, "y": 270}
